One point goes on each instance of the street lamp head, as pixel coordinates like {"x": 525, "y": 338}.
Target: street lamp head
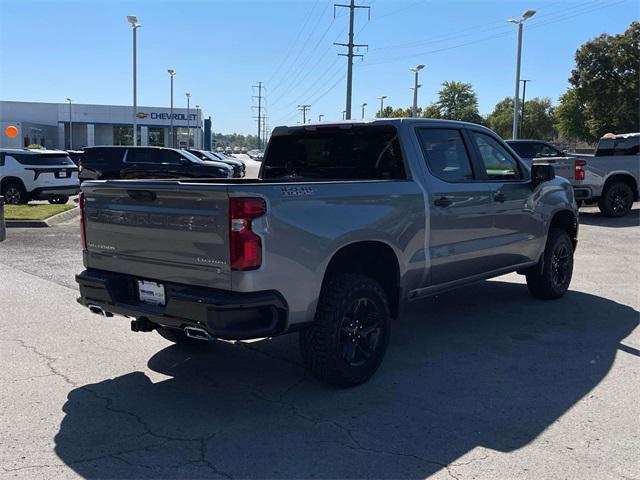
{"x": 68, "y": 100}
{"x": 171, "y": 71}
{"x": 513, "y": 20}
{"x": 383, "y": 97}
{"x": 133, "y": 20}
{"x": 188, "y": 95}
{"x": 528, "y": 14}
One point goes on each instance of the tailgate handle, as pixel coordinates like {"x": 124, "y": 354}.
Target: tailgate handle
{"x": 142, "y": 195}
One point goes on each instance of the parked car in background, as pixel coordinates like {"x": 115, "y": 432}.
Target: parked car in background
{"x": 121, "y": 162}
{"x": 236, "y": 149}
{"x": 75, "y": 156}
{"x": 237, "y": 164}
{"x": 228, "y": 150}
{"x": 3, "y": 228}
{"x": 346, "y": 225}
{"x": 255, "y": 154}
{"x": 613, "y": 173}
{"x": 40, "y": 174}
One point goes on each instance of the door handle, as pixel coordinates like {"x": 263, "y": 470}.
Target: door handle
{"x": 499, "y": 197}
{"x": 442, "y": 202}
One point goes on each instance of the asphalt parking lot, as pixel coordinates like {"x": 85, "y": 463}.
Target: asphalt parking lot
{"x": 484, "y": 382}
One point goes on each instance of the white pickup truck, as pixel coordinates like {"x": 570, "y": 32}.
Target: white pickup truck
{"x": 609, "y": 177}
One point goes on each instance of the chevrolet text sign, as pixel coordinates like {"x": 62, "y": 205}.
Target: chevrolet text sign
{"x": 167, "y": 116}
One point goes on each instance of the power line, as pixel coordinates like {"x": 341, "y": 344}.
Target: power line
{"x": 292, "y": 44}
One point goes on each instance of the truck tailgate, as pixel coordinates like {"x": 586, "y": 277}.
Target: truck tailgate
{"x": 162, "y": 231}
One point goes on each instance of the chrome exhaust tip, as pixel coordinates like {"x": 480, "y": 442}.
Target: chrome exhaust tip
{"x": 197, "y": 333}
{"x": 97, "y": 310}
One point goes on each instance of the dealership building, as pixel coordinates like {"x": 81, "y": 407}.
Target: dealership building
{"x": 76, "y": 125}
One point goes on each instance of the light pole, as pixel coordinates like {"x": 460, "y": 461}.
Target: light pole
{"x": 172, "y": 73}
{"x": 198, "y": 128}
{"x": 416, "y": 69}
{"x": 382, "y": 104}
{"x": 516, "y": 96}
{"x": 320, "y": 117}
{"x": 70, "y": 126}
{"x": 133, "y": 20}
{"x": 363, "y": 105}
{"x": 188, "y": 120}
{"x": 524, "y": 93}
{"x": 344, "y": 114}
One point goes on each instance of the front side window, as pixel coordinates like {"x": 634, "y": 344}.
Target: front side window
{"x": 446, "y": 154}
{"x": 141, "y": 155}
{"x": 498, "y": 162}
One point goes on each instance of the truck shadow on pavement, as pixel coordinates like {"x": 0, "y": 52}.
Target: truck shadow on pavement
{"x": 486, "y": 366}
{"x": 631, "y": 219}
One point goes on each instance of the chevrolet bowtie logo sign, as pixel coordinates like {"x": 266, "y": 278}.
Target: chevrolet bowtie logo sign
{"x": 142, "y": 115}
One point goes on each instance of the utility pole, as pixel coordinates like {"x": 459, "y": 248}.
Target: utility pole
{"x": 350, "y": 46}
{"x": 264, "y": 130}
{"x": 381, "y": 105}
{"x": 524, "y": 94}
{"x": 259, "y": 97}
{"x": 304, "y": 109}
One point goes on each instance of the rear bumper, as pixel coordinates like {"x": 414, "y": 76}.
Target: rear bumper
{"x": 223, "y": 314}
{"x": 46, "y": 192}
{"x": 582, "y": 193}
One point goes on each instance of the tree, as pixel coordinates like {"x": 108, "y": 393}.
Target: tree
{"x": 606, "y": 80}
{"x": 456, "y": 101}
{"x": 538, "y": 119}
{"x": 501, "y": 119}
{"x": 390, "y": 112}
{"x": 569, "y": 118}
{"x": 386, "y": 112}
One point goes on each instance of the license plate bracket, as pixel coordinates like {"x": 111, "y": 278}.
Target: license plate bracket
{"x": 152, "y": 293}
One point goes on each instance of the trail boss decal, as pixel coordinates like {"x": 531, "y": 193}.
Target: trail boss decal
{"x": 297, "y": 191}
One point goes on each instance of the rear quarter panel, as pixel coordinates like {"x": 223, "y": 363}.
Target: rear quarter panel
{"x": 306, "y": 224}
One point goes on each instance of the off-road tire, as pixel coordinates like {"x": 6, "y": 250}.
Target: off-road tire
{"x": 557, "y": 267}
{"x": 616, "y": 200}
{"x": 14, "y": 193}
{"x": 324, "y": 345}
{"x": 178, "y": 337}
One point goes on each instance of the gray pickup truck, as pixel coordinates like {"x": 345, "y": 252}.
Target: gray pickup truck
{"x": 609, "y": 177}
{"x": 345, "y": 225}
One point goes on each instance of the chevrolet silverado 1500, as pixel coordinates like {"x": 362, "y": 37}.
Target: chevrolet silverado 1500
{"x": 345, "y": 225}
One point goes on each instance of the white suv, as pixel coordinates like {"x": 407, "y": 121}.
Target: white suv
{"x": 37, "y": 175}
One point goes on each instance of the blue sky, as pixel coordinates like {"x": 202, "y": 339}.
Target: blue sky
{"x": 52, "y": 49}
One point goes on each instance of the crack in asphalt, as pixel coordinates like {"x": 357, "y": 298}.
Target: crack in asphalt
{"x": 49, "y": 361}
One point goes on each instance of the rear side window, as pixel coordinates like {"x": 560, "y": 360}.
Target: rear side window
{"x": 498, "y": 162}
{"x": 102, "y": 156}
{"x": 143, "y": 155}
{"x": 446, "y": 154}
{"x": 618, "y": 146}
{"x": 370, "y": 152}
{"x": 524, "y": 149}
{"x": 42, "y": 159}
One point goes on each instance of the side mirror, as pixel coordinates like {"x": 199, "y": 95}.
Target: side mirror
{"x": 542, "y": 172}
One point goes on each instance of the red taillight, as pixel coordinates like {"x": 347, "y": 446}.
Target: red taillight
{"x": 83, "y": 238}
{"x": 579, "y": 171}
{"x": 246, "y": 246}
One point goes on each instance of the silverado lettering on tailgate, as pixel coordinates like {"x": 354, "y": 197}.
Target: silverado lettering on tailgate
{"x": 191, "y": 223}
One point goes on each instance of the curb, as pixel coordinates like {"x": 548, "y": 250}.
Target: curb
{"x": 54, "y": 220}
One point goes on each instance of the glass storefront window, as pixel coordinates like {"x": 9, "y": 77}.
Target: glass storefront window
{"x": 122, "y": 135}
{"x": 156, "y": 137}
{"x": 183, "y": 137}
